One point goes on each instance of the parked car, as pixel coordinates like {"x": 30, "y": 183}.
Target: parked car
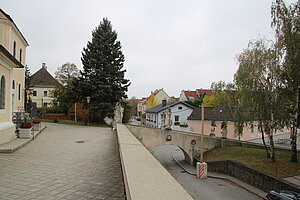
{"x": 282, "y": 195}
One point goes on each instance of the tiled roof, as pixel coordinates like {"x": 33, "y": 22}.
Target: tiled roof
{"x": 42, "y": 78}
{"x": 192, "y": 94}
{"x": 160, "y": 107}
{"x": 206, "y": 92}
{"x": 210, "y": 114}
{"x": 143, "y": 99}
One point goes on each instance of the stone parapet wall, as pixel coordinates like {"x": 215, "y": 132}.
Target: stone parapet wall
{"x": 144, "y": 177}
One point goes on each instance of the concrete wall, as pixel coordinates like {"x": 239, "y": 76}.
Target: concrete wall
{"x": 7, "y": 132}
{"x": 153, "y": 137}
{"x": 251, "y": 176}
{"x": 144, "y": 177}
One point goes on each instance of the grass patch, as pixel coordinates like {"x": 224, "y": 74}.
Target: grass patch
{"x": 256, "y": 158}
{"x": 70, "y": 122}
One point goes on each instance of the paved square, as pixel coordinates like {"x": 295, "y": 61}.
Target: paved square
{"x": 64, "y": 162}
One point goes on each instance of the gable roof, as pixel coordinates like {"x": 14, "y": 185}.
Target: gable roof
{"x": 160, "y": 107}
{"x": 210, "y": 113}
{"x": 192, "y": 94}
{"x": 42, "y": 78}
{"x": 206, "y": 92}
{"x": 10, "y": 19}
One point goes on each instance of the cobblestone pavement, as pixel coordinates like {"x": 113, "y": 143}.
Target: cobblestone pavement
{"x": 64, "y": 162}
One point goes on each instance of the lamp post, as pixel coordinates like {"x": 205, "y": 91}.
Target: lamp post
{"x": 88, "y": 100}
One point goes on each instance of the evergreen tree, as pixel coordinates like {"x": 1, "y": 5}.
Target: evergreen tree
{"x": 102, "y": 77}
{"x": 27, "y": 99}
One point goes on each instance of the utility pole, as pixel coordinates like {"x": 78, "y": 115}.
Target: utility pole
{"x": 75, "y": 112}
{"x": 202, "y": 133}
{"x": 298, "y": 112}
{"x": 202, "y": 166}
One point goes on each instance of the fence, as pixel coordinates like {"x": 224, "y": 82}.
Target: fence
{"x": 58, "y": 117}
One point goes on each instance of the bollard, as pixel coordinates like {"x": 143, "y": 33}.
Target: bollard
{"x": 201, "y": 170}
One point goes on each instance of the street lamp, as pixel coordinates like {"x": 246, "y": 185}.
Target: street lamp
{"x": 88, "y": 100}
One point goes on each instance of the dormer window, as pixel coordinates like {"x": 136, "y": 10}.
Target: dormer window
{"x": 190, "y": 98}
{"x": 14, "y": 49}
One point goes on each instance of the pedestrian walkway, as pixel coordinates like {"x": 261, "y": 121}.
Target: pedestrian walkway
{"x": 282, "y": 140}
{"x": 64, "y": 162}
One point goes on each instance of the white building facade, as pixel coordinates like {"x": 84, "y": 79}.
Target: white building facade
{"x": 180, "y": 111}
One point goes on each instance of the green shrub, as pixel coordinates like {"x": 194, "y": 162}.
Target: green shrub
{"x": 176, "y": 123}
{"x": 55, "y": 120}
{"x": 184, "y": 125}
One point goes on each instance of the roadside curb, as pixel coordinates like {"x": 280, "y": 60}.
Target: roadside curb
{"x": 7, "y": 148}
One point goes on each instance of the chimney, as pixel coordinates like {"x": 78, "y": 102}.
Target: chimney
{"x": 44, "y": 66}
{"x": 164, "y": 103}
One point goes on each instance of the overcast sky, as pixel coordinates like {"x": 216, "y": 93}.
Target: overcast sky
{"x": 167, "y": 44}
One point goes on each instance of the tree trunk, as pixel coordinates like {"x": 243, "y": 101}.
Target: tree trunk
{"x": 272, "y": 152}
{"x": 264, "y": 142}
{"x": 294, "y": 142}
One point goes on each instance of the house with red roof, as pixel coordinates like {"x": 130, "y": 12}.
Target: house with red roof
{"x": 192, "y": 95}
{"x": 140, "y": 106}
{"x": 204, "y": 92}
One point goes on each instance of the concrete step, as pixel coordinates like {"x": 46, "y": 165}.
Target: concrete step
{"x": 18, "y": 143}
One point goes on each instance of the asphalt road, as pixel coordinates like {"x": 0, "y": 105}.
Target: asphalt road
{"x": 204, "y": 189}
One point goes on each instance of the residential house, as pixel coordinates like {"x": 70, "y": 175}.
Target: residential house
{"x": 42, "y": 84}
{"x": 213, "y": 119}
{"x": 140, "y": 106}
{"x": 189, "y": 95}
{"x": 204, "y": 92}
{"x": 159, "y": 95}
{"x": 179, "y": 114}
{"x": 12, "y": 74}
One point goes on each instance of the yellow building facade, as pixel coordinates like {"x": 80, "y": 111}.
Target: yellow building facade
{"x": 12, "y": 74}
{"x": 42, "y": 85}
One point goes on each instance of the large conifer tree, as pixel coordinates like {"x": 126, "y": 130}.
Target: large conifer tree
{"x": 102, "y": 77}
